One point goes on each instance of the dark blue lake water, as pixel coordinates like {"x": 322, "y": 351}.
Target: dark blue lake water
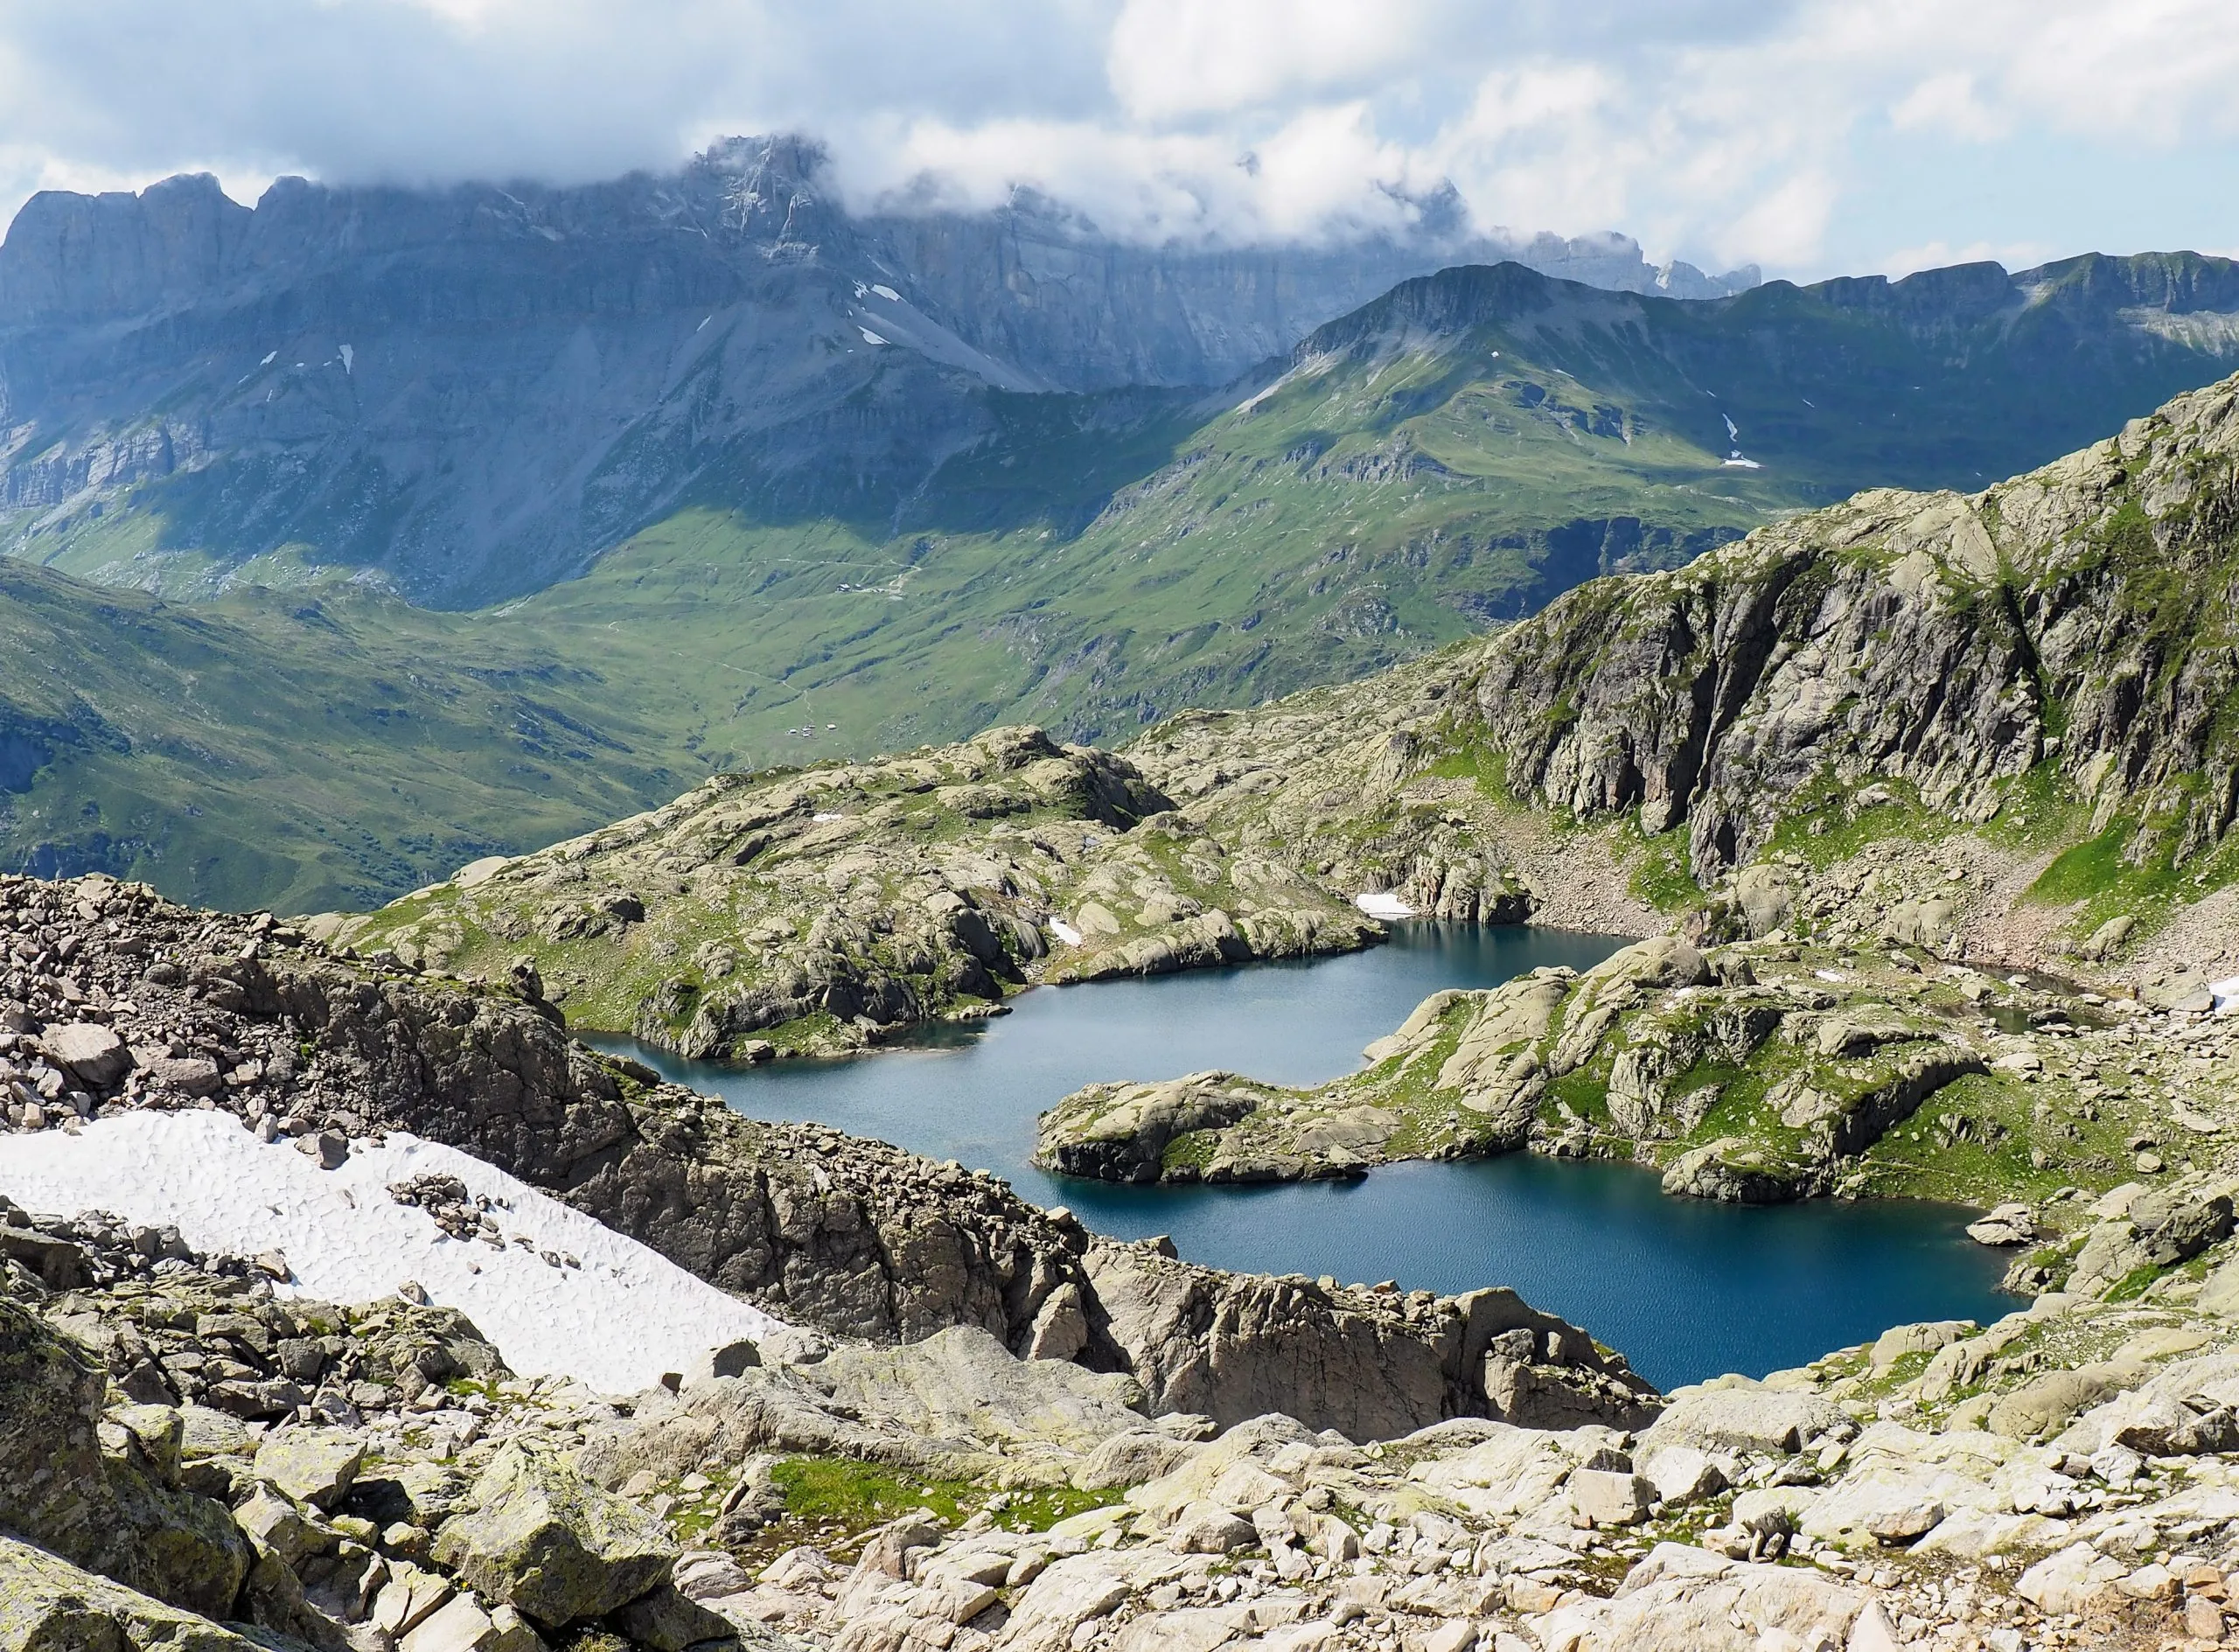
{"x": 1686, "y": 1289}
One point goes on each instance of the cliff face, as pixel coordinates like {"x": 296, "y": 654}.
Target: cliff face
{"x": 2079, "y": 614}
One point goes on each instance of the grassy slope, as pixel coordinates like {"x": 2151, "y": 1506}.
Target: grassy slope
{"x": 1102, "y": 561}
{"x": 293, "y": 753}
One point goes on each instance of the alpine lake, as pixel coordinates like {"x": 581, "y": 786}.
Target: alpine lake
{"x": 1686, "y": 1288}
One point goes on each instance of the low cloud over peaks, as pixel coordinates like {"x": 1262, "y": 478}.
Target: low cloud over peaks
{"x": 1808, "y": 137}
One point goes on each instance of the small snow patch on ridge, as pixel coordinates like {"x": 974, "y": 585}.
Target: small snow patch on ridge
{"x": 1383, "y": 903}
{"x": 870, "y": 337}
{"x": 1064, "y": 932}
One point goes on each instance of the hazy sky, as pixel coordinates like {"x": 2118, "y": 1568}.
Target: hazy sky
{"x": 1812, "y": 138}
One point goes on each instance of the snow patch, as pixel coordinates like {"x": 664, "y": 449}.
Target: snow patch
{"x": 1383, "y": 903}
{"x": 826, "y": 815}
{"x": 1737, "y": 462}
{"x": 349, "y": 356}
{"x": 2224, "y": 991}
{"x": 887, "y": 293}
{"x": 269, "y": 359}
{"x": 870, "y": 337}
{"x": 617, "y": 1323}
{"x": 1064, "y": 932}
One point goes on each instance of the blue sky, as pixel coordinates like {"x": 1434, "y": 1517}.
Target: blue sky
{"x": 1812, "y": 139}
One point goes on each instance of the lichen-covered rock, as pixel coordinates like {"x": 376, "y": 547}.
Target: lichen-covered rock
{"x": 1121, "y": 1132}
{"x": 545, "y": 1540}
{"x": 310, "y": 1464}
{"x": 48, "y": 1605}
{"x": 108, "y": 1509}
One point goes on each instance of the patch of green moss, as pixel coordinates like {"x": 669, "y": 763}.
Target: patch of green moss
{"x": 2133, "y": 1284}
{"x": 854, "y": 1496}
{"x": 1660, "y": 873}
{"x": 841, "y": 1498}
{"x": 1193, "y": 1149}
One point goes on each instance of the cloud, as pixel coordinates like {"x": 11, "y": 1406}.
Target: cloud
{"x": 1805, "y": 134}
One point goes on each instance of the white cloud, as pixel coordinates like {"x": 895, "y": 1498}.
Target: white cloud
{"x": 1949, "y": 103}
{"x": 1184, "y": 57}
{"x": 1716, "y": 129}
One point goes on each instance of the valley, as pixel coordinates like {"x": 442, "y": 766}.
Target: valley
{"x": 731, "y": 533}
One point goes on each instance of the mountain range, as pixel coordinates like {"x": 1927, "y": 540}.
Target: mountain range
{"x": 559, "y": 498}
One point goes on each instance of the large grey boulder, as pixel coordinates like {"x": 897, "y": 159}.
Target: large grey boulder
{"x": 47, "y": 1605}
{"x": 310, "y": 1464}
{"x": 1741, "y": 1418}
{"x": 963, "y": 1384}
{"x": 91, "y": 1051}
{"x": 546, "y": 1541}
{"x": 1764, "y": 893}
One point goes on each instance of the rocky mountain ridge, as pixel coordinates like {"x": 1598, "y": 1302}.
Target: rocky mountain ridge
{"x": 734, "y": 304}
{"x": 923, "y": 553}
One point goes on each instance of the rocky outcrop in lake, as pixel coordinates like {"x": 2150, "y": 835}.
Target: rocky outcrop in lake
{"x": 1750, "y": 1072}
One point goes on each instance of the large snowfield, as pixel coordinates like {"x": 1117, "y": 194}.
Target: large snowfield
{"x": 616, "y": 1322}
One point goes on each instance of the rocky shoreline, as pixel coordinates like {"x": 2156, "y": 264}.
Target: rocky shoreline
{"x": 835, "y": 909}
{"x": 2068, "y": 1476}
{"x": 1751, "y": 1072}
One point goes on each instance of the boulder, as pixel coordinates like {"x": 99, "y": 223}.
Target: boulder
{"x": 2070, "y": 1581}
{"x": 461, "y": 1625}
{"x": 1609, "y": 1497}
{"x": 2155, "y": 1230}
{"x": 1660, "y": 960}
{"x": 963, "y": 1384}
{"x": 2108, "y": 938}
{"x": 2044, "y": 1404}
{"x": 2008, "y": 1224}
{"x": 196, "y": 1075}
{"x": 1682, "y": 1473}
{"x": 1764, "y": 893}
{"x": 1741, "y": 1418}
{"x": 665, "y": 1620}
{"x": 1931, "y": 924}
{"x": 276, "y": 1526}
{"x": 96, "y": 1056}
{"x": 1206, "y": 1528}
{"x": 47, "y": 1605}
{"x": 1686, "y": 1599}
{"x": 543, "y": 1539}
{"x": 310, "y": 1464}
